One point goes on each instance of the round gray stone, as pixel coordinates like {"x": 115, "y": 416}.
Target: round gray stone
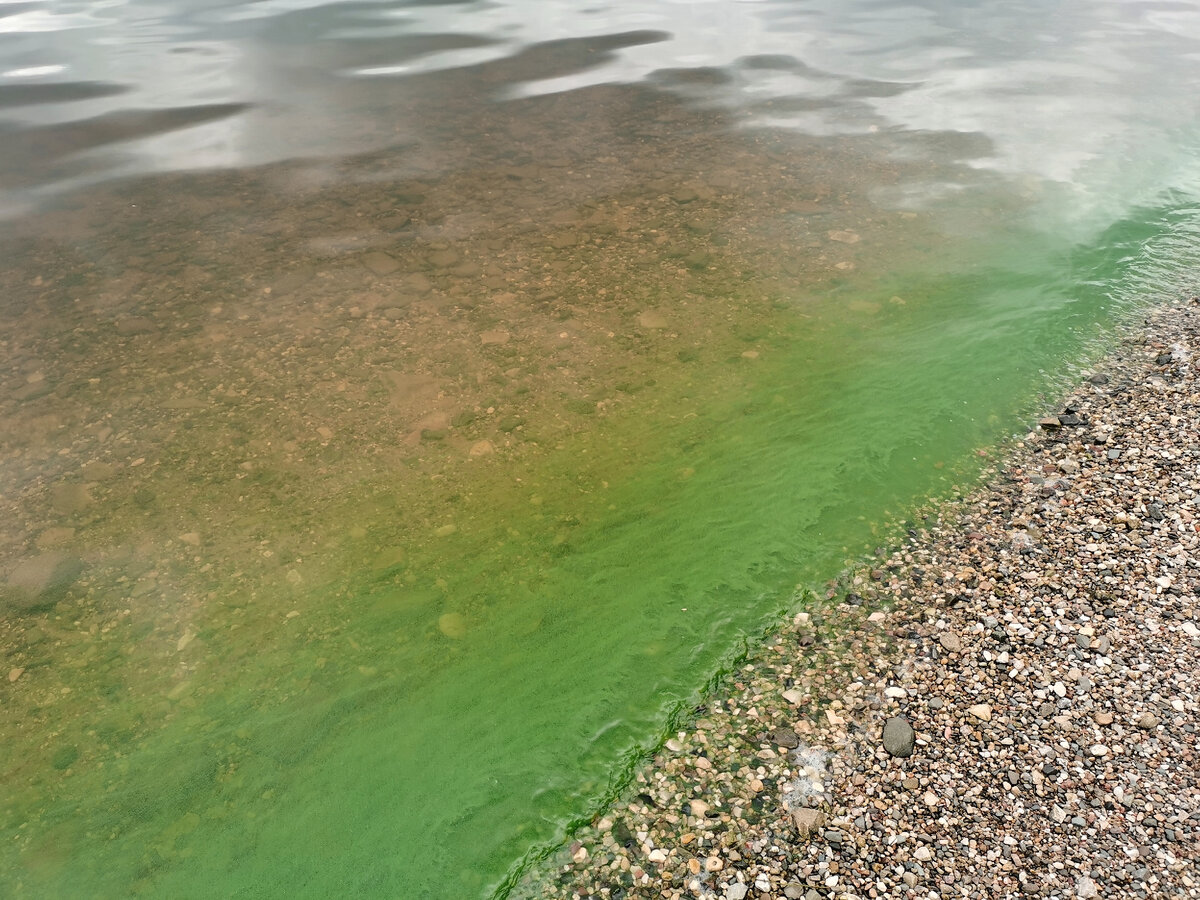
{"x": 898, "y": 737}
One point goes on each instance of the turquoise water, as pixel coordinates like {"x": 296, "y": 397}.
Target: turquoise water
{"x": 407, "y": 409}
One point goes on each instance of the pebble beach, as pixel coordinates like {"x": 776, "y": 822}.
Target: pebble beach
{"x": 1003, "y": 705}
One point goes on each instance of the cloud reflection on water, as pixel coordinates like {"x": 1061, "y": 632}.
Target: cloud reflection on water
{"x": 1085, "y": 96}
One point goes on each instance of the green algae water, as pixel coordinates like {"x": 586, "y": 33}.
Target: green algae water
{"x": 407, "y": 409}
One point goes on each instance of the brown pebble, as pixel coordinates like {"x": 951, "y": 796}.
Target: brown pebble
{"x": 950, "y": 642}
{"x": 808, "y": 820}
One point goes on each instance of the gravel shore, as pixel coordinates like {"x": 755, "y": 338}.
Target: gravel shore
{"x": 1005, "y": 706}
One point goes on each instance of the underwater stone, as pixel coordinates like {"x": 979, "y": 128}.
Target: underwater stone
{"x": 40, "y": 581}
{"x": 808, "y": 821}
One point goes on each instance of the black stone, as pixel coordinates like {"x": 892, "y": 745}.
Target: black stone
{"x": 622, "y": 835}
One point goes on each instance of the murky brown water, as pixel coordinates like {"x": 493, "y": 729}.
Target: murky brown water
{"x": 272, "y": 340}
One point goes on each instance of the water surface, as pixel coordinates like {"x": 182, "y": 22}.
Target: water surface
{"x": 406, "y": 408}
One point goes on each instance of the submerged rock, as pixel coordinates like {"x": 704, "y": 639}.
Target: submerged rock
{"x": 380, "y": 263}
{"x": 785, "y": 737}
{"x": 453, "y": 625}
{"x": 808, "y": 821}
{"x": 40, "y": 581}
{"x": 652, "y": 320}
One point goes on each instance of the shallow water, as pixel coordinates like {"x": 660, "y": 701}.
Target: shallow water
{"x": 407, "y": 408}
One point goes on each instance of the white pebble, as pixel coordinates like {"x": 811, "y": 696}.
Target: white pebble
{"x": 981, "y": 711}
